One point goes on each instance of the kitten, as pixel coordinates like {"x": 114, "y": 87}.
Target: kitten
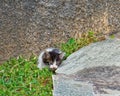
{"x": 51, "y": 57}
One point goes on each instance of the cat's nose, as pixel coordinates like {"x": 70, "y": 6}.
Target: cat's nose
{"x": 53, "y": 67}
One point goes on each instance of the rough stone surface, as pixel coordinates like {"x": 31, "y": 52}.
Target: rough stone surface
{"x": 27, "y": 26}
{"x": 66, "y": 86}
{"x": 105, "y": 80}
{"x": 105, "y": 53}
{"x": 94, "y": 69}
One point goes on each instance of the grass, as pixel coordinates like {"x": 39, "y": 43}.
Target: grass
{"x": 74, "y": 44}
{"x": 21, "y": 77}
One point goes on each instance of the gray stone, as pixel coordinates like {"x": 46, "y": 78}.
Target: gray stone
{"x": 105, "y": 80}
{"x": 91, "y": 71}
{"x": 66, "y": 86}
{"x": 105, "y": 53}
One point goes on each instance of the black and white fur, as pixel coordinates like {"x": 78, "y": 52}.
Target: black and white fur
{"x": 51, "y": 57}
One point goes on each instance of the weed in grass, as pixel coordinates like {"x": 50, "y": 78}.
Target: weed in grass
{"x": 21, "y": 77}
{"x": 74, "y": 44}
{"x": 112, "y": 36}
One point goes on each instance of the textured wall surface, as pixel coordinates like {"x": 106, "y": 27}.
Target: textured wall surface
{"x": 27, "y": 26}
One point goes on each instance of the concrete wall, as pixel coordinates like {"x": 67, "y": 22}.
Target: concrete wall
{"x": 27, "y": 26}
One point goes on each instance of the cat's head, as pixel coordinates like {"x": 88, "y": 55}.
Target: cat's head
{"x": 53, "y": 58}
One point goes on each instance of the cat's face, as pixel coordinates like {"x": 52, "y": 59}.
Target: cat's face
{"x": 53, "y": 59}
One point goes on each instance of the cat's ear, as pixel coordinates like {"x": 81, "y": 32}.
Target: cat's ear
{"x": 46, "y": 55}
{"x": 62, "y": 55}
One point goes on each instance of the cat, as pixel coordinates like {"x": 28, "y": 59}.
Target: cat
{"x": 51, "y": 57}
